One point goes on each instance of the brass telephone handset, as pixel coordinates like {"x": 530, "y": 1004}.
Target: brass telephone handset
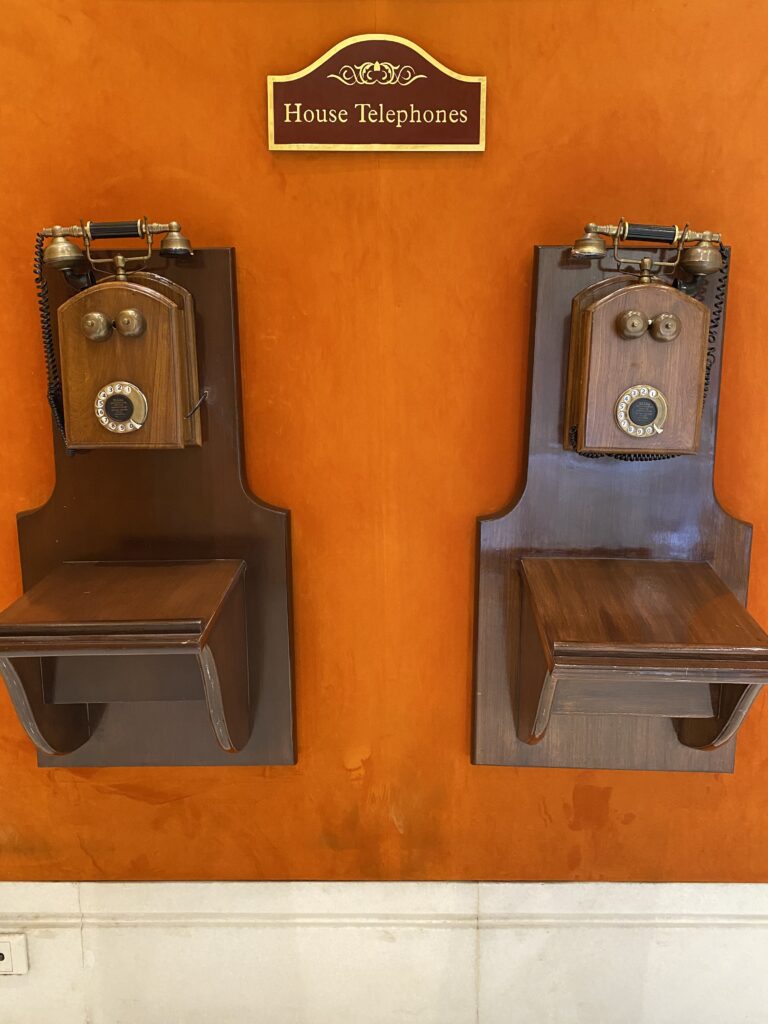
{"x": 127, "y": 350}
{"x": 639, "y": 357}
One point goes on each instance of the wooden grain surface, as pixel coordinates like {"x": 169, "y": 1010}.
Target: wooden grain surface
{"x": 579, "y": 346}
{"x": 576, "y": 506}
{"x": 178, "y": 505}
{"x": 130, "y": 597}
{"x": 153, "y": 362}
{"x": 614, "y": 365}
{"x": 636, "y": 637}
{"x": 190, "y": 378}
{"x": 680, "y": 610}
{"x": 122, "y": 622}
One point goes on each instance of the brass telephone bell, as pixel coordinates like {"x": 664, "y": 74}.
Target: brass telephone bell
{"x": 61, "y": 253}
{"x": 174, "y": 243}
{"x": 590, "y": 247}
{"x": 702, "y": 258}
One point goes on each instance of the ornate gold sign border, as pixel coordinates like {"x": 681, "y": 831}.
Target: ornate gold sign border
{"x": 375, "y": 146}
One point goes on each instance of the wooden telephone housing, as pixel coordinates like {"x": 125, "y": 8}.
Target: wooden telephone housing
{"x": 129, "y": 365}
{"x": 636, "y": 367}
{"x": 155, "y": 627}
{"x": 611, "y": 628}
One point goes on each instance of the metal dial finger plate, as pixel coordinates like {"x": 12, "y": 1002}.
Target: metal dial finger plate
{"x": 120, "y": 407}
{"x": 641, "y": 411}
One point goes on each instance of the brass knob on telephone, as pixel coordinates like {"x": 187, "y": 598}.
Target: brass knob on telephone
{"x": 632, "y": 324}
{"x": 96, "y": 326}
{"x": 665, "y": 327}
{"x": 130, "y": 323}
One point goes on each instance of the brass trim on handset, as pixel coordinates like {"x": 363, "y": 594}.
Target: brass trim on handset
{"x": 65, "y": 255}
{"x": 697, "y": 252}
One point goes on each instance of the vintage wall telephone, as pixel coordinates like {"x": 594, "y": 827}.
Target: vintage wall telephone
{"x": 638, "y": 346}
{"x": 611, "y": 630}
{"x": 155, "y": 625}
{"x": 128, "y": 372}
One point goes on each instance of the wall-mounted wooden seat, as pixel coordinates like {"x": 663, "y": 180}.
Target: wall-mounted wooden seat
{"x": 633, "y": 636}
{"x": 90, "y": 634}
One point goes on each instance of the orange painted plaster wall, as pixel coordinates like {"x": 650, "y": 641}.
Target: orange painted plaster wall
{"x": 384, "y": 313}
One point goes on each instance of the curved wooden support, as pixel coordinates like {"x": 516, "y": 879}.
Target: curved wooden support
{"x": 537, "y": 684}
{"x": 532, "y": 732}
{"x": 223, "y": 662}
{"x": 54, "y": 729}
{"x": 710, "y": 733}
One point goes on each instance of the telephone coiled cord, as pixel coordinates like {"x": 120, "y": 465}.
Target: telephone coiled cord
{"x": 718, "y": 308}
{"x": 49, "y": 348}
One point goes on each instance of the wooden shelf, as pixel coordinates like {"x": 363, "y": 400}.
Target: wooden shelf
{"x": 640, "y": 637}
{"x": 75, "y": 641}
{"x": 85, "y": 604}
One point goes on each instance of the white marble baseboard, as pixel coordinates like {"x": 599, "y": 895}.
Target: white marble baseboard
{"x": 443, "y": 953}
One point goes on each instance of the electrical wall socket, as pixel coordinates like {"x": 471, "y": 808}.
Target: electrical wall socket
{"x": 13, "y": 954}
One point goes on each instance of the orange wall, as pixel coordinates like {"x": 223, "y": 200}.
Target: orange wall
{"x": 384, "y": 310}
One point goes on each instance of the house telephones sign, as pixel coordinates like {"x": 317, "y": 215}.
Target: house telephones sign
{"x": 376, "y": 92}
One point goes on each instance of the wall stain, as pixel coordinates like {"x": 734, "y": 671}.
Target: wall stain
{"x": 574, "y": 858}
{"x": 591, "y": 807}
{"x": 546, "y": 817}
{"x": 143, "y": 794}
{"x": 396, "y": 818}
{"x": 355, "y": 760}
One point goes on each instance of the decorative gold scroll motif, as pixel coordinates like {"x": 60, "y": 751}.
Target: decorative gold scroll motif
{"x": 377, "y": 72}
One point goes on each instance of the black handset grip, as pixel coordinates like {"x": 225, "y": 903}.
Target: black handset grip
{"x": 650, "y": 233}
{"x": 114, "y": 229}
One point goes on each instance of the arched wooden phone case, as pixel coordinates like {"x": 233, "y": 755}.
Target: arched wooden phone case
{"x": 603, "y": 366}
{"x": 161, "y": 363}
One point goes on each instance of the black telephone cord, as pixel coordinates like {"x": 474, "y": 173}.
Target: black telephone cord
{"x": 49, "y": 349}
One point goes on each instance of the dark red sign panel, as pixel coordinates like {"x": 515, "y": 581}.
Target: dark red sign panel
{"x": 376, "y": 92}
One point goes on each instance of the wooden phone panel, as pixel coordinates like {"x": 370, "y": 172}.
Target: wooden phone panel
{"x": 604, "y": 366}
{"x": 182, "y": 297}
{"x": 164, "y": 506}
{"x": 151, "y": 362}
{"x": 578, "y": 350}
{"x": 579, "y": 507}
